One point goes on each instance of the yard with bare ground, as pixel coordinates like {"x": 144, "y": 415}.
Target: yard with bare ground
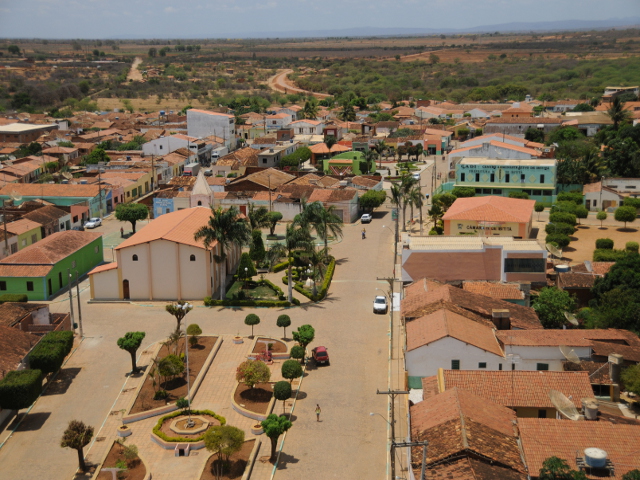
{"x": 583, "y": 242}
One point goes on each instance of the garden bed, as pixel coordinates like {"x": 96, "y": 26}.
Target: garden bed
{"x": 178, "y": 387}
{"x": 166, "y": 426}
{"x": 256, "y": 291}
{"x": 262, "y": 342}
{"x": 136, "y": 471}
{"x": 238, "y": 460}
{"x": 254, "y": 399}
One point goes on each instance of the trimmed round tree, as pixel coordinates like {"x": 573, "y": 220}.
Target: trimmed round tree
{"x": 625, "y": 214}
{"x": 252, "y": 319}
{"x": 194, "y": 330}
{"x": 539, "y": 207}
{"x": 132, "y": 213}
{"x": 77, "y": 436}
{"x": 282, "y": 392}
{"x": 291, "y": 369}
{"x": 251, "y": 372}
{"x": 224, "y": 441}
{"x": 273, "y": 427}
{"x": 297, "y": 352}
{"x": 131, "y": 343}
{"x": 562, "y": 217}
{"x": 283, "y": 322}
{"x": 581, "y": 212}
{"x": 559, "y": 239}
{"x": 602, "y": 216}
{"x": 604, "y": 243}
{"x": 304, "y": 335}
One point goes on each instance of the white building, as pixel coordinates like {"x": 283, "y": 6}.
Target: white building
{"x": 307, "y": 127}
{"x": 609, "y": 193}
{"x": 163, "y": 262}
{"x": 204, "y": 123}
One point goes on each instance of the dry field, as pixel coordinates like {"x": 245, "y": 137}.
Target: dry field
{"x": 150, "y": 104}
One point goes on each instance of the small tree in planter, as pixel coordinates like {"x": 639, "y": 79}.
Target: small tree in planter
{"x": 291, "y": 369}
{"x": 170, "y": 367}
{"x": 194, "y": 330}
{"x": 246, "y": 268}
{"x": 602, "y": 216}
{"x": 283, "y": 322}
{"x": 224, "y": 441}
{"x": 297, "y": 352}
{"x": 282, "y": 392}
{"x": 252, "y": 319}
{"x": 251, "y": 372}
{"x": 131, "y": 343}
{"x": 539, "y": 207}
{"x": 77, "y": 436}
{"x": 274, "y": 426}
{"x": 304, "y": 335}
{"x": 274, "y": 218}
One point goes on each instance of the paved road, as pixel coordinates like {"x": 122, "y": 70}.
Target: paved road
{"x": 348, "y": 443}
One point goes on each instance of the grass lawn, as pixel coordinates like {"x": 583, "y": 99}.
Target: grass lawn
{"x": 256, "y": 292}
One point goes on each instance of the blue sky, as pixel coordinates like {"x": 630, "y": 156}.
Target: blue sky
{"x": 217, "y": 19}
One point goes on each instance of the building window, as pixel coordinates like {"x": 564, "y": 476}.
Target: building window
{"x": 455, "y": 364}
{"x": 492, "y": 178}
{"x": 168, "y": 210}
{"x": 482, "y": 365}
{"x": 34, "y": 237}
{"x": 497, "y": 191}
{"x": 14, "y": 247}
{"x": 160, "y": 147}
{"x": 24, "y": 242}
{"x": 499, "y": 366}
{"x": 524, "y": 265}
{"x": 542, "y": 366}
{"x": 463, "y": 177}
{"x": 134, "y": 258}
{"x": 542, "y": 413}
{"x": 507, "y": 178}
{"x": 536, "y": 192}
{"x": 3, "y": 285}
{"x": 486, "y": 191}
{"x": 199, "y": 203}
{"x": 477, "y": 177}
{"x": 541, "y": 178}
{"x": 513, "y": 366}
{"x": 192, "y": 258}
{"x": 29, "y": 286}
{"x": 522, "y": 178}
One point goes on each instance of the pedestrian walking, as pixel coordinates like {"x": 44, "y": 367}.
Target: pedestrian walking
{"x": 318, "y": 411}
{"x": 121, "y": 232}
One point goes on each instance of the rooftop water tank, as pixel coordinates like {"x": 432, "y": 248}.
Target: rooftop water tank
{"x": 595, "y": 457}
{"x": 562, "y": 268}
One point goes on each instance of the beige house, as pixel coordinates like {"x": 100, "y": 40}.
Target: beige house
{"x": 164, "y": 262}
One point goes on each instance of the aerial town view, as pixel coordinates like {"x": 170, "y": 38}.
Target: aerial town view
{"x": 382, "y": 241}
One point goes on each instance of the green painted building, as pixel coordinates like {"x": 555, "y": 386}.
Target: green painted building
{"x": 41, "y": 270}
{"x": 347, "y": 163}
{"x": 58, "y": 194}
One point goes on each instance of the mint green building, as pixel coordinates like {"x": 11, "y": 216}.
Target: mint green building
{"x": 347, "y": 163}
{"x": 41, "y": 270}
{"x": 488, "y": 176}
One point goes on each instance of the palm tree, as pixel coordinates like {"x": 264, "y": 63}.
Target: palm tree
{"x": 348, "y": 113}
{"x": 416, "y": 200}
{"x": 310, "y": 109}
{"x": 380, "y": 148}
{"x": 617, "y": 113}
{"x": 406, "y": 185}
{"x": 227, "y": 229}
{"x": 258, "y": 217}
{"x": 316, "y": 259}
{"x": 396, "y": 199}
{"x": 370, "y": 157}
{"x": 296, "y": 239}
{"x": 325, "y": 222}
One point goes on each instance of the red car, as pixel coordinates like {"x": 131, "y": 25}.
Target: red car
{"x": 320, "y": 355}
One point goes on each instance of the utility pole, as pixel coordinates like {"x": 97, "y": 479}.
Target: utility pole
{"x": 4, "y": 223}
{"x": 270, "y": 206}
{"x": 424, "y": 444}
{"x": 69, "y": 279}
{"x": 392, "y": 394}
{"x": 99, "y": 191}
{"x": 79, "y": 311}
{"x": 153, "y": 174}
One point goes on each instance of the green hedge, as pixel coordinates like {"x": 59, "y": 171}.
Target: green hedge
{"x": 47, "y": 356}
{"x": 19, "y": 389}
{"x": 64, "y": 338}
{"x": 14, "y": 297}
{"x": 209, "y": 302}
{"x": 278, "y": 290}
{"x": 167, "y": 438}
{"x": 604, "y": 244}
{"x": 605, "y": 255}
{"x": 322, "y": 291}
{"x": 559, "y": 239}
{"x": 280, "y": 266}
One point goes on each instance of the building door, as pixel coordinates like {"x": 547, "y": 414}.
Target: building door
{"x": 588, "y": 204}
{"x": 50, "y": 292}
{"x": 125, "y": 289}
{"x": 60, "y": 278}
{"x": 243, "y": 209}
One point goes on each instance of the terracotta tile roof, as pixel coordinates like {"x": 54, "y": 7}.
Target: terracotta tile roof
{"x": 216, "y": 181}
{"x": 598, "y": 371}
{"x": 265, "y": 141}
{"x": 14, "y": 345}
{"x": 45, "y": 214}
{"x": 503, "y": 291}
{"x": 469, "y": 468}
{"x": 268, "y": 177}
{"x": 544, "y": 437}
{"x": 51, "y": 190}
{"x": 521, "y": 317}
{"x": 365, "y": 182}
{"x": 506, "y": 146}
{"x": 421, "y": 286}
{"x": 13, "y": 312}
{"x": 520, "y": 388}
{"x": 21, "y": 226}
{"x": 179, "y": 226}
{"x": 182, "y": 181}
{"x": 444, "y": 323}
{"x": 491, "y": 209}
{"x": 598, "y": 268}
{"x": 328, "y": 181}
{"x": 104, "y": 268}
{"x": 604, "y": 349}
{"x": 570, "y": 338}
{"x": 308, "y": 179}
{"x": 494, "y": 136}
{"x": 526, "y": 120}
{"x": 244, "y": 156}
{"x": 296, "y": 191}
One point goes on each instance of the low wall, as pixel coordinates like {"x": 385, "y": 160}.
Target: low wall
{"x": 172, "y": 445}
{"x": 252, "y": 459}
{"x": 247, "y": 413}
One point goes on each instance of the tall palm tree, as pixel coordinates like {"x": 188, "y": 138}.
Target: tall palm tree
{"x": 396, "y": 199}
{"x": 258, "y": 217}
{"x": 296, "y": 239}
{"x": 310, "y": 109}
{"x": 617, "y": 113}
{"x": 227, "y": 229}
{"x": 380, "y": 148}
{"x": 416, "y": 200}
{"x": 370, "y": 158}
{"x": 316, "y": 258}
{"x": 325, "y": 222}
{"x": 406, "y": 185}
{"x": 348, "y": 113}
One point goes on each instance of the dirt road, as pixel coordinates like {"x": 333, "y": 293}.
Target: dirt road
{"x": 135, "y": 74}
{"x": 280, "y": 83}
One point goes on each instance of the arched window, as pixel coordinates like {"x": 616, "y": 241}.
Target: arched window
{"x": 199, "y": 203}
{"x": 134, "y": 258}
{"x": 192, "y": 258}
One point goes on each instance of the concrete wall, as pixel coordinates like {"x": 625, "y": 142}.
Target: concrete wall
{"x": 201, "y": 124}
{"x": 551, "y": 355}
{"x": 105, "y": 285}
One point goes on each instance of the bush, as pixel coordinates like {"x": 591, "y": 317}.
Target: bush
{"x": 568, "y": 207}
{"x": 47, "y": 357}
{"x": 209, "y": 302}
{"x": 64, "y": 338}
{"x": 463, "y": 192}
{"x": 167, "y": 438}
{"x": 559, "y": 228}
{"x": 280, "y": 266}
{"x": 291, "y": 369}
{"x": 558, "y": 239}
{"x": 246, "y": 262}
{"x": 604, "y": 244}
{"x": 563, "y": 217}
{"x": 625, "y": 214}
{"x": 603, "y": 255}
{"x": 297, "y": 352}
{"x": 14, "y": 297}
{"x": 632, "y": 202}
{"x": 19, "y": 389}
{"x": 523, "y": 195}
{"x": 574, "y": 197}
{"x": 631, "y": 247}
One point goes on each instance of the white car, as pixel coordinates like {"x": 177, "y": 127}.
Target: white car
{"x": 416, "y": 176}
{"x": 366, "y": 218}
{"x": 380, "y": 304}
{"x": 93, "y": 223}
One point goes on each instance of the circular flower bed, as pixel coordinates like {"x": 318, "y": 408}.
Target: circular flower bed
{"x": 158, "y": 429}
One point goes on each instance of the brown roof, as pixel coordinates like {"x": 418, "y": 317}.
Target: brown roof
{"x": 14, "y": 345}
{"x": 503, "y": 291}
{"x": 544, "y": 437}
{"x": 51, "y": 190}
{"x": 104, "y": 268}
{"x": 469, "y": 468}
{"x": 269, "y": 177}
{"x": 246, "y": 156}
{"x": 12, "y": 312}
{"x": 521, "y": 317}
{"x": 444, "y": 323}
{"x": 491, "y": 209}
{"x": 570, "y": 338}
{"x": 604, "y": 349}
{"x": 520, "y": 388}
{"x": 22, "y": 226}
{"x": 179, "y": 226}
{"x": 37, "y": 259}
{"x": 531, "y": 120}
{"x": 365, "y": 181}
{"x": 45, "y": 214}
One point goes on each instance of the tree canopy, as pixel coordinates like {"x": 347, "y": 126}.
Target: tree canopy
{"x": 131, "y": 343}
{"x": 551, "y": 304}
{"x": 132, "y": 213}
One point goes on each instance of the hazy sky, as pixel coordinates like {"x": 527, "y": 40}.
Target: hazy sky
{"x": 216, "y": 18}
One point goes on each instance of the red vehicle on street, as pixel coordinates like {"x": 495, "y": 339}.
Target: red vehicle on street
{"x": 320, "y": 355}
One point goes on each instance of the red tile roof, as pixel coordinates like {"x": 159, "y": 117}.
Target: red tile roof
{"x": 520, "y": 388}
{"x": 14, "y": 345}
{"x": 104, "y": 268}
{"x": 544, "y": 437}
{"x": 444, "y": 323}
{"x": 21, "y": 226}
{"x": 570, "y": 338}
{"x": 491, "y": 209}
{"x": 496, "y": 290}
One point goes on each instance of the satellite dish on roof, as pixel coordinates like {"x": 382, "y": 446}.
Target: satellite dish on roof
{"x": 570, "y": 354}
{"x": 15, "y": 196}
{"x": 564, "y": 405}
{"x": 571, "y": 318}
{"x": 553, "y": 250}
{"x": 67, "y": 175}
{"x": 8, "y": 163}
{"x": 587, "y": 264}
